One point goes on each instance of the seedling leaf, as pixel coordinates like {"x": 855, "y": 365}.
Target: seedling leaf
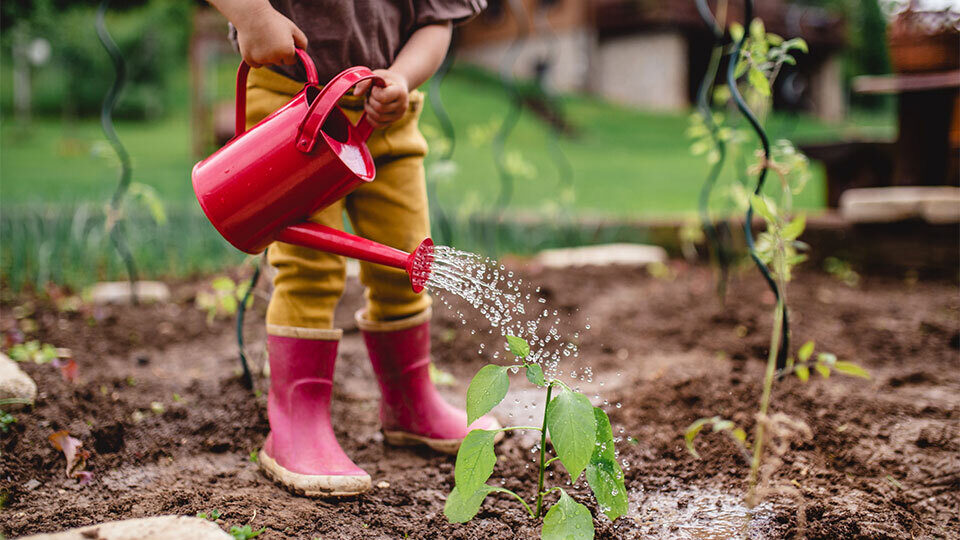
{"x": 760, "y": 206}
{"x": 461, "y": 508}
{"x": 535, "y": 374}
{"x": 849, "y": 368}
{"x": 803, "y": 372}
{"x": 603, "y": 472}
{"x": 475, "y": 460}
{"x": 487, "y": 389}
{"x": 518, "y": 346}
{"x": 573, "y": 430}
{"x": 795, "y": 228}
{"x": 823, "y": 370}
{"x": 692, "y": 433}
{"x": 567, "y": 520}
{"x": 805, "y": 351}
{"x": 759, "y": 81}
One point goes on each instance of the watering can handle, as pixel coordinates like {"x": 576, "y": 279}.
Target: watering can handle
{"x": 244, "y": 70}
{"x": 329, "y": 96}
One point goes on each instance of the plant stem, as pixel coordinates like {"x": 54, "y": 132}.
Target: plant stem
{"x": 508, "y": 428}
{"x": 551, "y": 460}
{"x": 519, "y": 498}
{"x": 543, "y": 450}
{"x": 765, "y": 404}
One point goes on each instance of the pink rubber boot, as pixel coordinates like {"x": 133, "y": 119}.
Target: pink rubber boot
{"x": 301, "y": 452}
{"x": 412, "y": 412}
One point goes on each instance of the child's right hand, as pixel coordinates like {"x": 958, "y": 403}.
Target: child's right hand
{"x": 266, "y": 37}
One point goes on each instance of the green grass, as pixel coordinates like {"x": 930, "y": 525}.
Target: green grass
{"x": 55, "y": 177}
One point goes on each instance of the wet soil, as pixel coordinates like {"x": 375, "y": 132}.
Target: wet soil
{"x": 159, "y": 403}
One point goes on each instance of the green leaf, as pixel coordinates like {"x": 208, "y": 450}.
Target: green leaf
{"x": 736, "y": 31}
{"x": 461, "y": 508}
{"x": 535, "y": 375}
{"x": 796, "y": 43}
{"x": 774, "y": 39}
{"x": 487, "y": 389}
{"x": 573, "y": 430}
{"x": 823, "y": 370}
{"x": 806, "y": 350}
{"x": 603, "y": 446}
{"x": 518, "y": 346}
{"x": 692, "y": 433}
{"x": 567, "y": 520}
{"x": 223, "y": 283}
{"x": 759, "y": 82}
{"x": 803, "y": 373}
{"x": 849, "y": 368}
{"x": 760, "y": 206}
{"x": 827, "y": 358}
{"x": 739, "y": 434}
{"x": 475, "y": 460}
{"x": 757, "y": 29}
{"x": 795, "y": 228}
{"x": 606, "y": 481}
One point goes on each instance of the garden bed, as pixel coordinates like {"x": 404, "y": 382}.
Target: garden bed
{"x": 881, "y": 462}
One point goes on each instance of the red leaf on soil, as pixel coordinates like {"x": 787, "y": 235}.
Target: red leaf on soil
{"x": 76, "y": 456}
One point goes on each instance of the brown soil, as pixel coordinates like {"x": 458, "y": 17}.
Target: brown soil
{"x": 882, "y": 460}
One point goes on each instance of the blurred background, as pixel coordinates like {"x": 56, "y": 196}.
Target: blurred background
{"x": 553, "y": 123}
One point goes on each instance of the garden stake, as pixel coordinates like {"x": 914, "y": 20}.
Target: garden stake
{"x": 703, "y": 103}
{"x": 114, "y": 220}
{"x": 761, "y": 176}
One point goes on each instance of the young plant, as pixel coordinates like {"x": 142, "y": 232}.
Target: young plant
{"x": 224, "y": 300}
{"x": 246, "y": 532}
{"x": 33, "y": 351}
{"x": 760, "y": 56}
{"x": 582, "y": 442}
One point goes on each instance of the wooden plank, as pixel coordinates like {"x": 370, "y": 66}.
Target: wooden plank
{"x": 914, "y": 82}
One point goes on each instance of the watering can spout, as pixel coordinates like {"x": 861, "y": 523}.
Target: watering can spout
{"x": 417, "y": 264}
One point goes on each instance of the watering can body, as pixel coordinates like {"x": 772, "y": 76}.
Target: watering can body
{"x": 265, "y": 183}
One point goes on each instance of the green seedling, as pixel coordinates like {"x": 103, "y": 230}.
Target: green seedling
{"x": 842, "y": 271}
{"x": 777, "y": 250}
{"x": 246, "y": 532}
{"x": 224, "y": 299}
{"x": 6, "y": 419}
{"x": 581, "y": 438}
{"x": 213, "y": 515}
{"x": 33, "y": 351}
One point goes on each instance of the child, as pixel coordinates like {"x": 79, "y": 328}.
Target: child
{"x": 404, "y": 42}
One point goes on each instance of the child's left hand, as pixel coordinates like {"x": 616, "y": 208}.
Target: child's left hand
{"x": 388, "y": 104}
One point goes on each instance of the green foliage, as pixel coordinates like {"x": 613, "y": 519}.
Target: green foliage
{"x": 246, "y": 532}
{"x": 581, "y": 437}
{"x": 842, "y": 270}
{"x": 6, "y": 419}
{"x": 213, "y": 515}
{"x": 567, "y": 520}
{"x": 573, "y": 427}
{"x": 824, "y": 364}
{"x": 735, "y": 433}
{"x": 33, "y": 351}
{"x": 487, "y": 389}
{"x": 224, "y": 299}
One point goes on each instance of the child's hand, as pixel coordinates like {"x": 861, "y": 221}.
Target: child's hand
{"x": 267, "y": 37}
{"x": 388, "y": 104}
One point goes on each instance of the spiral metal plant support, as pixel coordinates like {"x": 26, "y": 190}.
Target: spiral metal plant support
{"x": 761, "y": 177}
{"x": 114, "y": 219}
{"x": 716, "y": 241}
{"x": 241, "y": 313}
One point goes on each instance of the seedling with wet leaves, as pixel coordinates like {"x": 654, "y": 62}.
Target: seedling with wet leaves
{"x": 581, "y": 438}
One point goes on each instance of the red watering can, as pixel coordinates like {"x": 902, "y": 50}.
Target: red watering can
{"x": 265, "y": 183}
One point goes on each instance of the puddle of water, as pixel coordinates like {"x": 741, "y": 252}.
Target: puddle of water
{"x": 693, "y": 514}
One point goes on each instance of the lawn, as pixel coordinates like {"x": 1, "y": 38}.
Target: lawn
{"x": 624, "y": 162}
{"x": 56, "y": 175}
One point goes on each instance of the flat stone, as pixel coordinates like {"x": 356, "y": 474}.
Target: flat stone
{"x": 937, "y": 205}
{"x": 625, "y": 254}
{"x": 152, "y": 528}
{"x": 118, "y": 292}
{"x": 15, "y": 384}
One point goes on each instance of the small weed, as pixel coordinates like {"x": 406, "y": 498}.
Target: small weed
{"x": 224, "y": 299}
{"x": 6, "y": 419}
{"x": 254, "y": 456}
{"x": 213, "y": 515}
{"x": 34, "y": 351}
{"x": 245, "y": 532}
{"x": 842, "y": 270}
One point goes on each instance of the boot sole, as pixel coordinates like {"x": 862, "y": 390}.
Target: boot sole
{"x": 444, "y": 446}
{"x": 313, "y": 485}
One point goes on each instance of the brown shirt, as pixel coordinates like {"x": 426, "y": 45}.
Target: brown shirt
{"x": 345, "y": 33}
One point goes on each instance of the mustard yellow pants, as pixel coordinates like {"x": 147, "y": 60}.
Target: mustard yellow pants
{"x": 391, "y": 210}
